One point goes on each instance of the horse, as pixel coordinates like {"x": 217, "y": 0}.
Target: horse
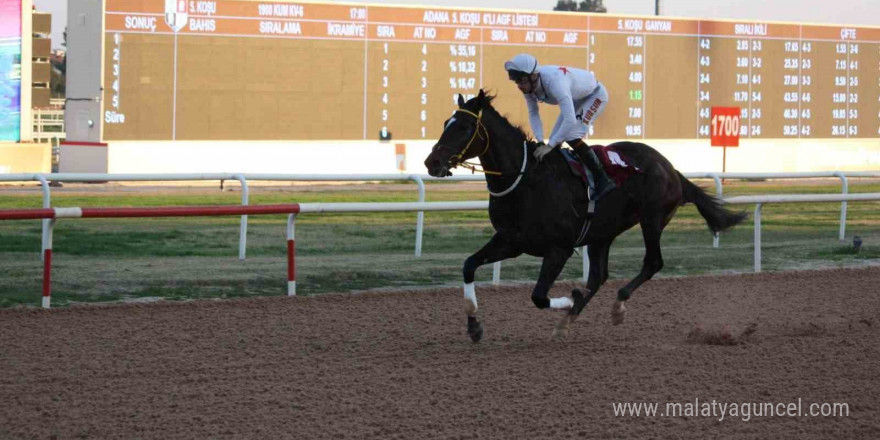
{"x": 542, "y": 209}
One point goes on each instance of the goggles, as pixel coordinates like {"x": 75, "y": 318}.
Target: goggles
{"x": 517, "y": 75}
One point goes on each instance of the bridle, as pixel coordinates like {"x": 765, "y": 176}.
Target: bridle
{"x": 460, "y": 156}
{"x": 473, "y": 166}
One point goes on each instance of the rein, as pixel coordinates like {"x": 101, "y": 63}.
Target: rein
{"x": 473, "y": 166}
{"x": 522, "y": 171}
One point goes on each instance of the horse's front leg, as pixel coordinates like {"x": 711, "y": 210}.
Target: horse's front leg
{"x": 580, "y": 297}
{"x": 598, "y": 274}
{"x": 496, "y": 249}
{"x": 551, "y": 267}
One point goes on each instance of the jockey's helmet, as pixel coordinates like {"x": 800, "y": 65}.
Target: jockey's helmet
{"x": 521, "y": 66}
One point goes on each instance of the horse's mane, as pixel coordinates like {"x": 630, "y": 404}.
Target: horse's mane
{"x": 487, "y": 105}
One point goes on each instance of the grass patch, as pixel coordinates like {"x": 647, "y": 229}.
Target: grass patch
{"x": 190, "y": 258}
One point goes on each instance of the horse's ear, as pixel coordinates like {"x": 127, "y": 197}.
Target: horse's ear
{"x": 460, "y": 100}
{"x": 481, "y": 97}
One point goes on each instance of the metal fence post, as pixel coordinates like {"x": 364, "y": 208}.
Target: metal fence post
{"x": 420, "y": 215}
{"x": 242, "y": 235}
{"x": 758, "y": 237}
{"x": 844, "y": 190}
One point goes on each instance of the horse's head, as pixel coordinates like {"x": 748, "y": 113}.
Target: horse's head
{"x": 464, "y": 137}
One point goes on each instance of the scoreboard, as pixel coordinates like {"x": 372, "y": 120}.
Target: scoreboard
{"x": 262, "y": 70}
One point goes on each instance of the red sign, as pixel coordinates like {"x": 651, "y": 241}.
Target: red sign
{"x": 725, "y": 126}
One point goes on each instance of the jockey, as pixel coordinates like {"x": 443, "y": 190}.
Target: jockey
{"x": 581, "y": 99}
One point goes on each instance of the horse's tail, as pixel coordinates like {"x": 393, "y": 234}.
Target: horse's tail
{"x": 717, "y": 217}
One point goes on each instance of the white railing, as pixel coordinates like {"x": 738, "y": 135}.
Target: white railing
{"x": 420, "y": 180}
{"x": 759, "y": 202}
{"x": 44, "y": 119}
{"x": 317, "y": 208}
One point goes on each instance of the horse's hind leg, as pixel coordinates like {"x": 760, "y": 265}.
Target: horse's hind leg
{"x": 598, "y": 274}
{"x": 652, "y": 228}
{"x": 496, "y": 249}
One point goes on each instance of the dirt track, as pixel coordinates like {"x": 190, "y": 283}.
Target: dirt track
{"x": 399, "y": 365}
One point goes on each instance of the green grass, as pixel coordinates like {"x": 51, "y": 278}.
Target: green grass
{"x": 188, "y": 258}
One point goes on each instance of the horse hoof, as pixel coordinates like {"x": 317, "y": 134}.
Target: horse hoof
{"x": 563, "y": 326}
{"x": 560, "y": 333}
{"x": 618, "y": 312}
{"x": 476, "y": 333}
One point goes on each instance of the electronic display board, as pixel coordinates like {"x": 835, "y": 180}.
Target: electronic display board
{"x": 255, "y": 70}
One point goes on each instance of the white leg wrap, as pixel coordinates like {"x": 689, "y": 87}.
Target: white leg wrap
{"x": 563, "y": 303}
{"x": 470, "y": 297}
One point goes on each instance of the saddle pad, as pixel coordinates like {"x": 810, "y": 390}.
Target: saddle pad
{"x": 615, "y": 163}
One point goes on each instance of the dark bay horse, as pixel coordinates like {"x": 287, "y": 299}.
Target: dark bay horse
{"x": 541, "y": 209}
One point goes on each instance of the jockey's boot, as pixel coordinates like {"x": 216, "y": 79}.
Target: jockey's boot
{"x": 604, "y": 184}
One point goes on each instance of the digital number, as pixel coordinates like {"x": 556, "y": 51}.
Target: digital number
{"x": 357, "y": 13}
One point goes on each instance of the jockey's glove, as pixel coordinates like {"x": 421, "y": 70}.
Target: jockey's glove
{"x": 542, "y": 151}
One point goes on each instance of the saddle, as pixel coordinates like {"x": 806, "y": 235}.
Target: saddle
{"x": 614, "y": 163}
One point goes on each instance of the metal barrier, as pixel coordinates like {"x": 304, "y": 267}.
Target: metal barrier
{"x": 51, "y": 215}
{"x": 183, "y": 211}
{"x": 420, "y": 180}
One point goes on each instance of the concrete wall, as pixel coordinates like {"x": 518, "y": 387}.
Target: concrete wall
{"x": 25, "y": 158}
{"x": 782, "y": 155}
